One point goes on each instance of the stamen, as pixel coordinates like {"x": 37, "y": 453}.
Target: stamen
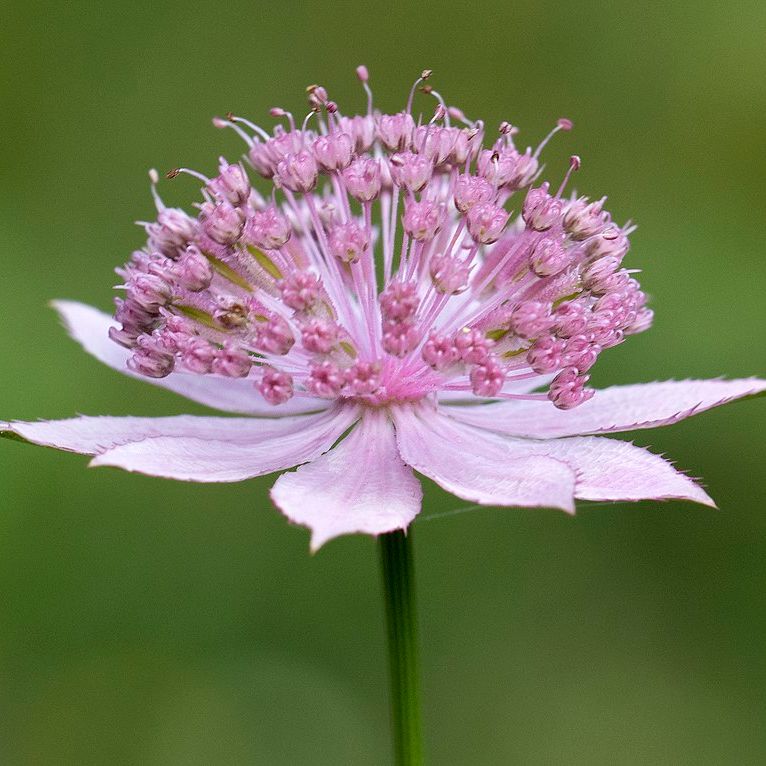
{"x": 256, "y": 128}
{"x": 364, "y": 76}
{"x": 154, "y": 178}
{"x": 187, "y": 171}
{"x": 424, "y": 75}
{"x": 219, "y": 122}
{"x": 574, "y": 164}
{"x": 277, "y": 111}
{"x": 562, "y": 124}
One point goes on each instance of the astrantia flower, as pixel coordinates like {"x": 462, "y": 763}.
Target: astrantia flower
{"x": 374, "y": 309}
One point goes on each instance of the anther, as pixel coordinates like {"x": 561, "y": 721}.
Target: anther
{"x": 364, "y": 76}
{"x": 562, "y": 124}
{"x": 574, "y": 164}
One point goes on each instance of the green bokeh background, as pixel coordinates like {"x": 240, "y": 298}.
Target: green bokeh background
{"x": 153, "y": 623}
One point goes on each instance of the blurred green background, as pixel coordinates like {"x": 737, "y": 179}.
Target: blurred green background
{"x": 153, "y": 623}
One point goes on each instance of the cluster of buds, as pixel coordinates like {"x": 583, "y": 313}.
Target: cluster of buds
{"x": 382, "y": 264}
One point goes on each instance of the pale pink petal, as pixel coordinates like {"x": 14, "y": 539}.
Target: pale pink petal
{"x": 510, "y": 387}
{"x": 619, "y": 408}
{"x": 609, "y": 469}
{"x": 89, "y": 327}
{"x": 93, "y": 435}
{"x": 199, "y": 459}
{"x": 361, "y": 485}
{"x": 480, "y": 466}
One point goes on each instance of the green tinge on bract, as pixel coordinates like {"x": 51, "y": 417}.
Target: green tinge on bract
{"x": 227, "y": 272}
{"x": 265, "y": 262}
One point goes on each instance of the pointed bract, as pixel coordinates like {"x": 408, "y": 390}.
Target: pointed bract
{"x": 488, "y": 471}
{"x": 619, "y": 408}
{"x": 204, "y": 460}
{"x": 360, "y": 486}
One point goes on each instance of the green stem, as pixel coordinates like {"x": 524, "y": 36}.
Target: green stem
{"x": 401, "y": 620}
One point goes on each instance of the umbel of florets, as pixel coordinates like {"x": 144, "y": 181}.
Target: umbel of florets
{"x": 374, "y": 257}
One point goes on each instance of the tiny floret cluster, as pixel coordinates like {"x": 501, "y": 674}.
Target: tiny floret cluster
{"x": 375, "y": 258}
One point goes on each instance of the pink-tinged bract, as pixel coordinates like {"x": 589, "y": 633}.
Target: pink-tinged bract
{"x": 358, "y": 288}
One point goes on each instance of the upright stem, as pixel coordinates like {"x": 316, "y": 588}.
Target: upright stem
{"x": 401, "y": 620}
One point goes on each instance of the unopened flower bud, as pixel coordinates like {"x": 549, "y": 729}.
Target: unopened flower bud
{"x": 197, "y": 355}
{"x": 449, "y": 274}
{"x": 412, "y": 171}
{"x": 193, "y": 271}
{"x": 507, "y": 168}
{"x": 568, "y": 389}
{"x": 440, "y": 351}
{"x": 223, "y": 222}
{"x": 325, "y": 380}
{"x": 273, "y": 336}
{"x": 319, "y": 336}
{"x": 231, "y": 185}
{"x": 486, "y": 222}
{"x": 549, "y": 257}
{"x": 362, "y": 179}
{"x": 471, "y": 191}
{"x": 545, "y": 354}
{"x": 363, "y": 378}
{"x": 583, "y": 219}
{"x": 530, "y": 319}
{"x": 268, "y": 229}
{"x": 487, "y": 378}
{"x": 540, "y": 210}
{"x": 348, "y": 241}
{"x": 334, "y": 151}
{"x": 399, "y": 300}
{"x": 400, "y": 336}
{"x": 472, "y": 345}
{"x": 149, "y": 291}
{"x": 151, "y": 358}
{"x": 396, "y": 130}
{"x": 276, "y": 387}
{"x": 231, "y": 362}
{"x": 172, "y": 232}
{"x": 300, "y": 290}
{"x": 298, "y": 172}
{"x": 423, "y": 219}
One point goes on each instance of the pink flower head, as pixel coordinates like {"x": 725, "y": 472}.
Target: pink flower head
{"x": 456, "y": 344}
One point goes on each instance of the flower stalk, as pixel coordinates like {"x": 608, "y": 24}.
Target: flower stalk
{"x": 401, "y": 621}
